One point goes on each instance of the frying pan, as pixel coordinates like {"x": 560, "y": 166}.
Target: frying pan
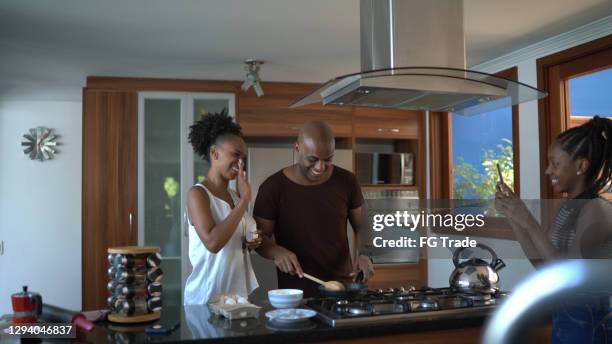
{"x": 351, "y": 289}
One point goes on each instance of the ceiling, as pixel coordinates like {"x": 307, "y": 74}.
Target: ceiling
{"x": 48, "y": 47}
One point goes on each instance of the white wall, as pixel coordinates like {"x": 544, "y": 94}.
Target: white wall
{"x": 525, "y": 60}
{"x": 40, "y": 205}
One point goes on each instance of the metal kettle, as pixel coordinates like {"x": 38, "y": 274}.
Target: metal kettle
{"x": 474, "y": 274}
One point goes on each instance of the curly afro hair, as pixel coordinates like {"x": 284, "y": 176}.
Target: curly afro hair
{"x": 207, "y": 131}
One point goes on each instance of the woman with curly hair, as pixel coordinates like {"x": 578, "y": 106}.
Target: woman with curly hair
{"x": 580, "y": 166}
{"x": 218, "y": 218}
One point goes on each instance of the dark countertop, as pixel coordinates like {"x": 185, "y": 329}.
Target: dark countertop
{"x": 199, "y": 325}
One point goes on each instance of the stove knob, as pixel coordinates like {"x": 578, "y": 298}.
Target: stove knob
{"x": 341, "y": 306}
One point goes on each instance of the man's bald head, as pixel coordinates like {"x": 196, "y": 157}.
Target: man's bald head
{"x": 315, "y": 148}
{"x": 318, "y": 132}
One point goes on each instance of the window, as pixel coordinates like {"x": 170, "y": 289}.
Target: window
{"x": 578, "y": 81}
{"x": 481, "y": 142}
{"x": 458, "y": 147}
{"x": 589, "y": 96}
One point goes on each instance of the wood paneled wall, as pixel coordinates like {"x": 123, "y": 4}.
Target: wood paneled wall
{"x": 109, "y": 185}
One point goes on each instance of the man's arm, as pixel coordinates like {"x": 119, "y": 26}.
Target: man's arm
{"x": 355, "y": 220}
{"x": 265, "y": 210}
{"x": 285, "y": 260}
{"x": 361, "y": 262}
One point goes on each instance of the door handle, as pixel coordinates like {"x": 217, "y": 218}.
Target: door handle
{"x": 185, "y": 232}
{"x": 1, "y": 247}
{"x": 130, "y": 218}
{"x": 393, "y": 130}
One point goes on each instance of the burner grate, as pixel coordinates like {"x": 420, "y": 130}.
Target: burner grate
{"x": 393, "y": 304}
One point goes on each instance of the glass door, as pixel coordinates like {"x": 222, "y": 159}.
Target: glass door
{"x": 167, "y": 168}
{"x": 195, "y": 168}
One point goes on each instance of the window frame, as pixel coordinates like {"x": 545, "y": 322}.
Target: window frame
{"x": 554, "y": 72}
{"x": 442, "y": 164}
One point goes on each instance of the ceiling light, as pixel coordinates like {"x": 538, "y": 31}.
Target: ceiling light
{"x": 252, "y": 77}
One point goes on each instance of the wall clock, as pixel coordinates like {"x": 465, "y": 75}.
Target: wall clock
{"x": 40, "y": 143}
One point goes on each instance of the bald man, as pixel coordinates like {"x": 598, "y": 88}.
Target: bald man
{"x": 306, "y": 206}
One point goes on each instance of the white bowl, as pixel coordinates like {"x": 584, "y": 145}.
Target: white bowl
{"x": 285, "y": 298}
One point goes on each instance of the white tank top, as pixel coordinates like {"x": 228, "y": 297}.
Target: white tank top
{"x": 228, "y": 271}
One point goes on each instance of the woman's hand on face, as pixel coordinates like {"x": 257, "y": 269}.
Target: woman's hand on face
{"x": 242, "y": 183}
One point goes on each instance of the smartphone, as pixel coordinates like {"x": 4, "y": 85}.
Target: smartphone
{"x": 499, "y": 172}
{"x": 159, "y": 330}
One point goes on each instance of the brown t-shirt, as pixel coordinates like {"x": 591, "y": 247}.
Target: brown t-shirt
{"x": 311, "y": 222}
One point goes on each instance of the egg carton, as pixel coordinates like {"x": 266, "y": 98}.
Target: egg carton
{"x": 233, "y": 307}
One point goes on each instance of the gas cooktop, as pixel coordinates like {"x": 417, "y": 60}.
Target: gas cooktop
{"x": 404, "y": 304}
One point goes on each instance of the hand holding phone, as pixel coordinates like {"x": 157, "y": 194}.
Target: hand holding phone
{"x": 501, "y": 186}
{"x": 499, "y": 172}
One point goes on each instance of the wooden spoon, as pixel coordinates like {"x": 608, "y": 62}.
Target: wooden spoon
{"x": 329, "y": 285}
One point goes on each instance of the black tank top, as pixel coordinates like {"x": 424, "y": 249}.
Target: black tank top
{"x": 563, "y": 231}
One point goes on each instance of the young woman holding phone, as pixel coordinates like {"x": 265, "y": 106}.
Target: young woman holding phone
{"x": 580, "y": 166}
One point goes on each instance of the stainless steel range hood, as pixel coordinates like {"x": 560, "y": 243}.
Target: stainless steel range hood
{"x": 397, "y": 34}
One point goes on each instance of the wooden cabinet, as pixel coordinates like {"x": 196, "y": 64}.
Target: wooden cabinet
{"x": 394, "y": 131}
{"x": 273, "y": 126}
{"x": 270, "y": 116}
{"x": 399, "y": 275}
{"x": 109, "y": 185}
{"x": 386, "y": 123}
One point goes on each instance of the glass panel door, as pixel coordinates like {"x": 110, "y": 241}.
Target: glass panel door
{"x": 159, "y": 176}
{"x": 167, "y": 168}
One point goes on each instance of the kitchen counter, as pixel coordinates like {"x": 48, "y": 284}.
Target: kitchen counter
{"x": 198, "y": 325}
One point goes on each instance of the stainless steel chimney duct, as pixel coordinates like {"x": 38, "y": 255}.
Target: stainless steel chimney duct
{"x": 428, "y": 36}
{"x": 396, "y": 33}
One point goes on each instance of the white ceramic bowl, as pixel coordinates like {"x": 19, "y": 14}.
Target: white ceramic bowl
{"x": 285, "y": 298}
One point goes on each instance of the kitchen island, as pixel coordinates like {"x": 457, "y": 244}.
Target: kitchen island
{"x": 197, "y": 324}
